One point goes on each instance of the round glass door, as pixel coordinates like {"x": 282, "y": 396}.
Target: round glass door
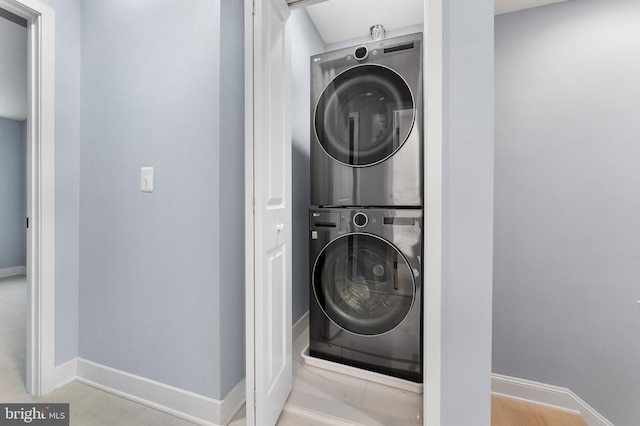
{"x": 363, "y": 284}
{"x": 364, "y": 115}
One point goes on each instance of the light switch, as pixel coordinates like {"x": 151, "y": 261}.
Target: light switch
{"x": 146, "y": 179}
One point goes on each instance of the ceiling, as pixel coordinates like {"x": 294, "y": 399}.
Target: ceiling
{"x": 506, "y": 6}
{"x": 340, "y": 20}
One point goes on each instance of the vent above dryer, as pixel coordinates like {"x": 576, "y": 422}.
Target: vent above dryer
{"x": 377, "y": 32}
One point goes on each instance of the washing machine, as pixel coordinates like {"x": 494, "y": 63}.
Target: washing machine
{"x": 366, "y": 299}
{"x": 367, "y": 125}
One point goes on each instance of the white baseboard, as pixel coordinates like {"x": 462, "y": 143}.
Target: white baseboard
{"x": 554, "y": 397}
{"x": 177, "y": 402}
{"x": 65, "y": 373}
{"x": 233, "y": 402}
{"x": 14, "y": 270}
{"x": 299, "y": 326}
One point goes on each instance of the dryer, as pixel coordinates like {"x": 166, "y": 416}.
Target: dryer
{"x": 366, "y": 298}
{"x": 366, "y": 125}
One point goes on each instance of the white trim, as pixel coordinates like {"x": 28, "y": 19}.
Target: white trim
{"x": 555, "y": 397}
{"x": 300, "y": 326}
{"x": 40, "y": 193}
{"x": 249, "y": 207}
{"x": 66, "y": 373}
{"x": 433, "y": 180}
{"x": 177, "y": 402}
{"x": 12, "y": 271}
{"x": 233, "y": 402}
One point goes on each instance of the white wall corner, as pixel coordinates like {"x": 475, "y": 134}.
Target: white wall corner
{"x": 233, "y": 402}
{"x": 66, "y": 373}
{"x": 14, "y": 270}
{"x": 177, "y": 402}
{"x": 554, "y": 397}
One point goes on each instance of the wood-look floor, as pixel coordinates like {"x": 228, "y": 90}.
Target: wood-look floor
{"x": 507, "y": 412}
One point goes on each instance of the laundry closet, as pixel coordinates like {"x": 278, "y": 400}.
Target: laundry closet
{"x": 359, "y": 211}
{"x": 472, "y": 220}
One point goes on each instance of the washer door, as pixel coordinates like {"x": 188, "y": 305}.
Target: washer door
{"x": 363, "y": 284}
{"x": 364, "y": 115}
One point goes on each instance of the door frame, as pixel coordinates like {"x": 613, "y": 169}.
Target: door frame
{"x": 249, "y": 207}
{"x": 432, "y": 65}
{"x": 40, "y": 356}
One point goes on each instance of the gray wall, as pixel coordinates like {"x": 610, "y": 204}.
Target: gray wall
{"x": 232, "y": 237}
{"x": 305, "y": 42}
{"x": 13, "y": 237}
{"x": 467, "y": 229}
{"x": 567, "y": 238}
{"x": 67, "y": 165}
{"x": 150, "y": 264}
{"x": 13, "y": 70}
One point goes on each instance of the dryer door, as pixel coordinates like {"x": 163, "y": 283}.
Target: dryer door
{"x": 364, "y": 115}
{"x": 363, "y": 284}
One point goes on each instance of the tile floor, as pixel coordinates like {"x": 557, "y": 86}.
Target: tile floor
{"x": 319, "y": 397}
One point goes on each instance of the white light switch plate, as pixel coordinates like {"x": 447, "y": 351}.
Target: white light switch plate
{"x": 146, "y": 179}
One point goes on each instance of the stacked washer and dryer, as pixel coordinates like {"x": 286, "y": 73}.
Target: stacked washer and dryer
{"x": 366, "y": 215}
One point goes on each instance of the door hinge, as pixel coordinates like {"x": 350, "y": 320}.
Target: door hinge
{"x": 254, "y": 397}
{"x": 27, "y": 223}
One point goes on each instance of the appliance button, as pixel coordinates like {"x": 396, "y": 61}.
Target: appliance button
{"x": 361, "y": 52}
{"x": 360, "y": 220}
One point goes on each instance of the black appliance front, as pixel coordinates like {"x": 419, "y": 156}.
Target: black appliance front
{"x": 367, "y": 126}
{"x": 366, "y": 298}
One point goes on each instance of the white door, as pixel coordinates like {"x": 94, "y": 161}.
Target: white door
{"x": 269, "y": 362}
